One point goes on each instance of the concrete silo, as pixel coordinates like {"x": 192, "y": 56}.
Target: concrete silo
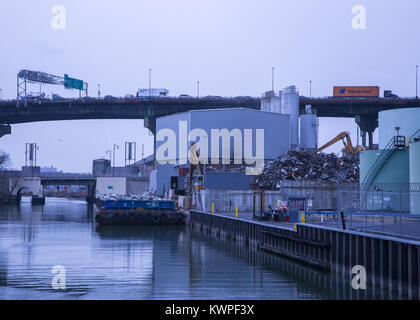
{"x": 290, "y": 105}
{"x": 309, "y": 129}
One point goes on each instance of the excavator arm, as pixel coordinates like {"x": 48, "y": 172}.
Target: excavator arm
{"x": 341, "y": 136}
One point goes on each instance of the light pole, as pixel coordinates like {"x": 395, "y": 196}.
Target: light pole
{"x": 417, "y": 80}
{"x": 99, "y": 91}
{"x": 115, "y": 146}
{"x": 310, "y": 88}
{"x": 110, "y": 155}
{"x": 272, "y": 79}
{"x": 150, "y": 82}
{"x": 198, "y": 89}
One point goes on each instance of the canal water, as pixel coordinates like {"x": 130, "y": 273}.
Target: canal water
{"x": 135, "y": 262}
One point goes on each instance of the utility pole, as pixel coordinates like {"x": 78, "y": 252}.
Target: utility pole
{"x": 198, "y": 89}
{"x": 99, "y": 91}
{"x": 150, "y": 82}
{"x": 115, "y": 146}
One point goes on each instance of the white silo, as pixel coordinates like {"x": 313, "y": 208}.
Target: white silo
{"x": 415, "y": 177}
{"x": 270, "y": 102}
{"x": 290, "y": 105}
{"x": 309, "y": 129}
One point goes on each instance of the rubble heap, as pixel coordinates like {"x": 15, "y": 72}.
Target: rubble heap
{"x": 307, "y": 165}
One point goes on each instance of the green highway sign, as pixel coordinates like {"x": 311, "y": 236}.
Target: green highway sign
{"x": 71, "y": 83}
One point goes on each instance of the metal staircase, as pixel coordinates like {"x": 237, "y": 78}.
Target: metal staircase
{"x": 394, "y": 144}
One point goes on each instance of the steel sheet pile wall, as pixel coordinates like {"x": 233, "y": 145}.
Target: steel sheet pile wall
{"x": 390, "y": 263}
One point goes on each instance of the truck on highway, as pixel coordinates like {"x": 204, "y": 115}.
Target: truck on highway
{"x": 152, "y": 92}
{"x": 356, "y": 92}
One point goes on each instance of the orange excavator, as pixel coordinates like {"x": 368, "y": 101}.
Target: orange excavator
{"x": 348, "y": 146}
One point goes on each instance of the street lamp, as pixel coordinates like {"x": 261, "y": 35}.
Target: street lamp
{"x": 272, "y": 78}
{"x": 310, "y": 88}
{"x": 99, "y": 91}
{"x": 110, "y": 155}
{"x": 198, "y": 89}
{"x": 117, "y": 147}
{"x": 417, "y": 80}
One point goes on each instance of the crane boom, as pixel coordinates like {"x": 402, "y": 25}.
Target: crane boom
{"x": 341, "y": 136}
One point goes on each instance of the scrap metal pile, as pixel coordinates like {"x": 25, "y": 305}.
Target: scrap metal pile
{"x": 307, "y": 165}
{"x": 146, "y": 196}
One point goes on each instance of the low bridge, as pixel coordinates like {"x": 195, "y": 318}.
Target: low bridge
{"x": 19, "y": 183}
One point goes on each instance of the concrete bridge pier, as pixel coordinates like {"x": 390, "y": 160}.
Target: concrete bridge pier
{"x": 150, "y": 123}
{"x": 91, "y": 194}
{"x": 367, "y": 124}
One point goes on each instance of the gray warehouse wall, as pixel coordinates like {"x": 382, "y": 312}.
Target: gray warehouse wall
{"x": 276, "y": 133}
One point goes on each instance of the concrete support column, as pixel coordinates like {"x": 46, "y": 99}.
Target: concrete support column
{"x": 363, "y": 136}
{"x": 91, "y": 194}
{"x": 370, "y": 139}
{"x": 150, "y": 123}
{"x": 367, "y": 124}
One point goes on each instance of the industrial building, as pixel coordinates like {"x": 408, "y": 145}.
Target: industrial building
{"x": 276, "y": 139}
{"x": 131, "y": 179}
{"x": 390, "y": 176}
{"x": 284, "y": 129}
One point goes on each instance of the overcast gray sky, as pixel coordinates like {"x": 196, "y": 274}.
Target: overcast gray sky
{"x": 228, "y": 45}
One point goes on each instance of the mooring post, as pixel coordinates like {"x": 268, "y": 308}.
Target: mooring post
{"x": 343, "y": 221}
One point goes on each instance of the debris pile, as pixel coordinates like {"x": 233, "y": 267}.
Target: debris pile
{"x": 307, "y": 165}
{"x": 146, "y": 196}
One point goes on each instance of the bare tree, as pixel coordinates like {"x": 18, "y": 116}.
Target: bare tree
{"x": 4, "y": 159}
{"x": 14, "y": 183}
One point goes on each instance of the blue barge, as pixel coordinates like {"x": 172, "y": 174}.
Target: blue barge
{"x": 138, "y": 212}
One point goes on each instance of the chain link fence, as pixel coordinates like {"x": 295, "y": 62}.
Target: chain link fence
{"x": 393, "y": 213}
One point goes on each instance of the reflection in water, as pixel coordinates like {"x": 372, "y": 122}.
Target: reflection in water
{"x": 123, "y": 262}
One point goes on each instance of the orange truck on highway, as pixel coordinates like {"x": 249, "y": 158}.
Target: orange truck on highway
{"x": 356, "y": 92}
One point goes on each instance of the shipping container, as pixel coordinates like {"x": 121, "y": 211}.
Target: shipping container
{"x": 356, "y": 92}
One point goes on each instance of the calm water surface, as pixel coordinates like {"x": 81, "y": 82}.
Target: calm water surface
{"x": 142, "y": 262}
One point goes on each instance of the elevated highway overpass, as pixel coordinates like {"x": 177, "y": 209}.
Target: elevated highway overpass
{"x": 363, "y": 110}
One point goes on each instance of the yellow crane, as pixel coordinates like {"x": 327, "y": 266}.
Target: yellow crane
{"x": 345, "y": 137}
